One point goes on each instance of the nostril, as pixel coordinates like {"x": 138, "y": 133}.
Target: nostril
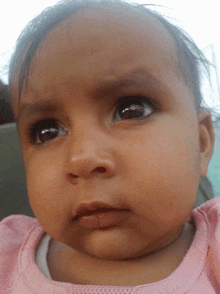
{"x": 100, "y": 169}
{"x": 73, "y": 176}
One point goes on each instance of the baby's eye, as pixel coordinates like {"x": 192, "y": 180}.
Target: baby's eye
{"x": 46, "y": 130}
{"x": 133, "y": 107}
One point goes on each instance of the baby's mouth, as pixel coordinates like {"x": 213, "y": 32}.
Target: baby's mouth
{"x": 99, "y": 215}
{"x": 90, "y": 212}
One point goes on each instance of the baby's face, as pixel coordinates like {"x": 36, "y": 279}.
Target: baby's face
{"x": 115, "y": 126}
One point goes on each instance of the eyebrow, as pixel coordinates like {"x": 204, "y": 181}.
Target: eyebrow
{"x": 139, "y": 75}
{"x": 26, "y": 109}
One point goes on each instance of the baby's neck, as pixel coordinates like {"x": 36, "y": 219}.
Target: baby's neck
{"x": 76, "y": 268}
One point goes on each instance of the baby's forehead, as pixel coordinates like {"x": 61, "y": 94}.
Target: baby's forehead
{"x": 90, "y": 30}
{"x": 114, "y": 29}
{"x": 85, "y": 22}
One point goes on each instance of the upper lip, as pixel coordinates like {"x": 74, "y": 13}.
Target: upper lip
{"x": 87, "y": 209}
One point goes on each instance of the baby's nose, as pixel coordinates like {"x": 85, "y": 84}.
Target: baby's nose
{"x": 85, "y": 166}
{"x": 91, "y": 155}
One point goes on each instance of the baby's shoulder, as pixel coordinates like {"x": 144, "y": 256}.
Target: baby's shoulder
{"x": 13, "y": 230}
{"x": 210, "y": 207}
{"x": 208, "y": 216}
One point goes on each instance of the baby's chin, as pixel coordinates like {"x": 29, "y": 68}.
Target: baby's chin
{"x": 123, "y": 254}
{"x": 127, "y": 248}
{"x": 116, "y": 255}
{"x": 118, "y": 252}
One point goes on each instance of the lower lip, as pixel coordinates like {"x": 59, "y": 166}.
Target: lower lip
{"x": 102, "y": 220}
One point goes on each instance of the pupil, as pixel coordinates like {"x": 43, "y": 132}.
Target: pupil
{"x": 48, "y": 134}
{"x": 133, "y": 111}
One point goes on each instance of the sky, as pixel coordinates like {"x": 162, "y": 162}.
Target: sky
{"x": 199, "y": 19}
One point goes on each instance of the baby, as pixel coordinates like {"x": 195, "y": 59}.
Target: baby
{"x": 106, "y": 97}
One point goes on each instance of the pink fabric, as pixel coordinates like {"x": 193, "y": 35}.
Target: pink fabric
{"x": 198, "y": 273}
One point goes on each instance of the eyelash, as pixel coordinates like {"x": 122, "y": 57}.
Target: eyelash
{"x": 137, "y": 101}
{"x": 123, "y": 103}
{"x": 36, "y": 127}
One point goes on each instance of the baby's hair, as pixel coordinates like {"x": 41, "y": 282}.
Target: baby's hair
{"x": 191, "y": 58}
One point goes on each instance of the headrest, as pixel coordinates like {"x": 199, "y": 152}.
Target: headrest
{"x": 13, "y": 192}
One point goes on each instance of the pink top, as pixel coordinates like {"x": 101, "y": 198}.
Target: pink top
{"x": 198, "y": 273}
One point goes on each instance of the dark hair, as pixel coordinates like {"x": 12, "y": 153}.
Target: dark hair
{"x": 191, "y": 58}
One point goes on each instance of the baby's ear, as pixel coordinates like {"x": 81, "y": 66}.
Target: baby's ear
{"x": 207, "y": 139}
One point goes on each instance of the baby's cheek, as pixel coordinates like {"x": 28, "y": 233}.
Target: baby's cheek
{"x": 46, "y": 191}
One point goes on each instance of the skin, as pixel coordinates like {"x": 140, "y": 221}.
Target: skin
{"x": 150, "y": 166}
